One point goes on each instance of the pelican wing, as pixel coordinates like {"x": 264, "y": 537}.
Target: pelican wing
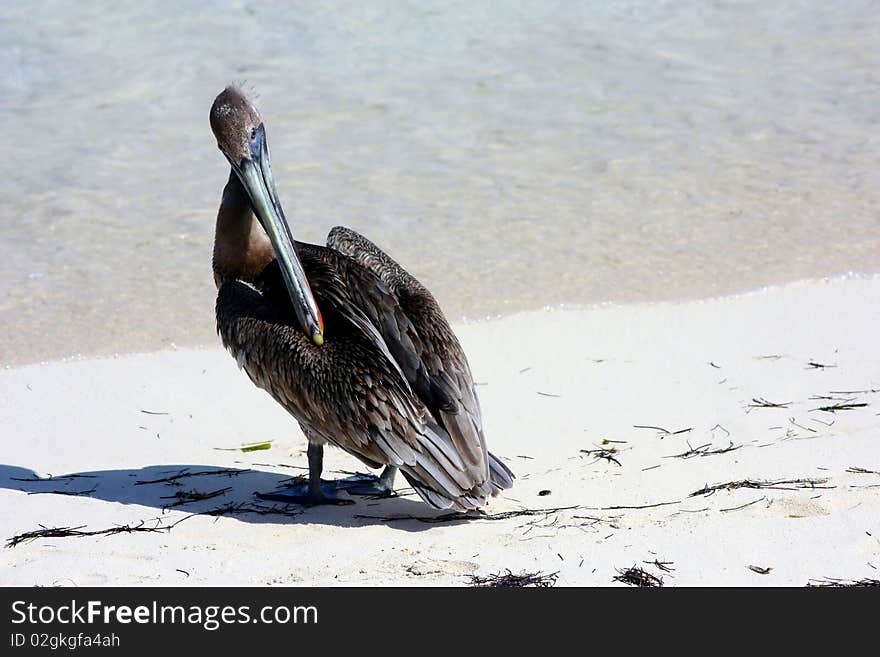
{"x": 350, "y": 392}
{"x": 423, "y": 344}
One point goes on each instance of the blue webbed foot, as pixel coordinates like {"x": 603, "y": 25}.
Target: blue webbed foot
{"x": 328, "y": 492}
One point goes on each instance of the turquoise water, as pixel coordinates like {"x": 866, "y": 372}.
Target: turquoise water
{"x": 516, "y": 156}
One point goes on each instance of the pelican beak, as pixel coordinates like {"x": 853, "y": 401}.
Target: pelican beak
{"x": 255, "y": 174}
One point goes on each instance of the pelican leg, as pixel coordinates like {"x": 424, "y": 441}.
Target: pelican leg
{"x": 316, "y": 491}
{"x": 381, "y": 486}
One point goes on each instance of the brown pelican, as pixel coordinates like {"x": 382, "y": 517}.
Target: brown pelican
{"x": 345, "y": 339}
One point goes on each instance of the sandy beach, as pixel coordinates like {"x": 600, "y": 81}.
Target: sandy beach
{"x": 732, "y": 441}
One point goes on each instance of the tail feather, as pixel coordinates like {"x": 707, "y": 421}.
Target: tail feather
{"x": 499, "y": 474}
{"x": 500, "y": 478}
{"x": 435, "y": 499}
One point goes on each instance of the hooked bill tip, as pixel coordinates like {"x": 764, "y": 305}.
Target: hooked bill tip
{"x": 318, "y": 338}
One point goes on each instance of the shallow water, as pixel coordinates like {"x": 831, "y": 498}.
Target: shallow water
{"x": 531, "y": 154}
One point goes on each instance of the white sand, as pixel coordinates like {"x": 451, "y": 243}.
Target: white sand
{"x": 612, "y": 368}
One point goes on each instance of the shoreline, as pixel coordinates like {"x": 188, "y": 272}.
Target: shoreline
{"x": 667, "y": 399}
{"x": 469, "y": 320}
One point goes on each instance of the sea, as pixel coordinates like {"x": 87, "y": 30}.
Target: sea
{"x": 512, "y": 155}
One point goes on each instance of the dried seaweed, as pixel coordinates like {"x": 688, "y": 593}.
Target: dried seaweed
{"x": 800, "y": 426}
{"x": 635, "y": 576}
{"x": 840, "y": 406}
{"x": 779, "y": 484}
{"x": 760, "y": 402}
{"x": 74, "y": 493}
{"x": 638, "y": 506}
{"x": 231, "y": 472}
{"x": 51, "y": 478}
{"x": 64, "y": 532}
{"x": 603, "y": 453}
{"x": 661, "y": 565}
{"x": 743, "y": 506}
{"x": 242, "y": 508}
{"x": 855, "y": 470}
{"x": 187, "y": 497}
{"x": 661, "y": 430}
{"x": 843, "y": 583}
{"x": 472, "y": 515}
{"x": 703, "y": 450}
{"x": 510, "y": 580}
{"x": 228, "y": 509}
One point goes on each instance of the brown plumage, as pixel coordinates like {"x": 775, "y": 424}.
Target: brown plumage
{"x": 384, "y": 378}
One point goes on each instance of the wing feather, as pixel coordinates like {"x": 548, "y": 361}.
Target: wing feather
{"x": 421, "y": 341}
{"x": 378, "y": 387}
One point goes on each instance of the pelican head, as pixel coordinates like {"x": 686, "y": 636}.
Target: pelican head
{"x": 241, "y": 137}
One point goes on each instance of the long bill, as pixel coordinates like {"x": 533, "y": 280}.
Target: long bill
{"x": 255, "y": 174}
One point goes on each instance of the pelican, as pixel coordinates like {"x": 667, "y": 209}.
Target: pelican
{"x": 345, "y": 339}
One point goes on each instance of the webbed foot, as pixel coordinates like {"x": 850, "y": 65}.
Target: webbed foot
{"x": 367, "y": 484}
{"x": 328, "y": 492}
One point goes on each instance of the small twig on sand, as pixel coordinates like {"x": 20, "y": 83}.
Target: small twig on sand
{"x": 780, "y": 484}
{"x": 63, "y": 492}
{"x": 661, "y": 565}
{"x": 855, "y": 470}
{"x": 844, "y": 583}
{"x": 760, "y": 570}
{"x": 842, "y": 406}
{"x": 635, "y": 576}
{"x": 51, "y": 478}
{"x": 276, "y": 465}
{"x": 743, "y": 506}
{"x": 639, "y": 506}
{"x": 509, "y": 580}
{"x": 800, "y": 426}
{"x": 818, "y": 366}
{"x": 703, "y": 450}
{"x": 760, "y": 402}
{"x": 548, "y": 394}
{"x": 661, "y": 430}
